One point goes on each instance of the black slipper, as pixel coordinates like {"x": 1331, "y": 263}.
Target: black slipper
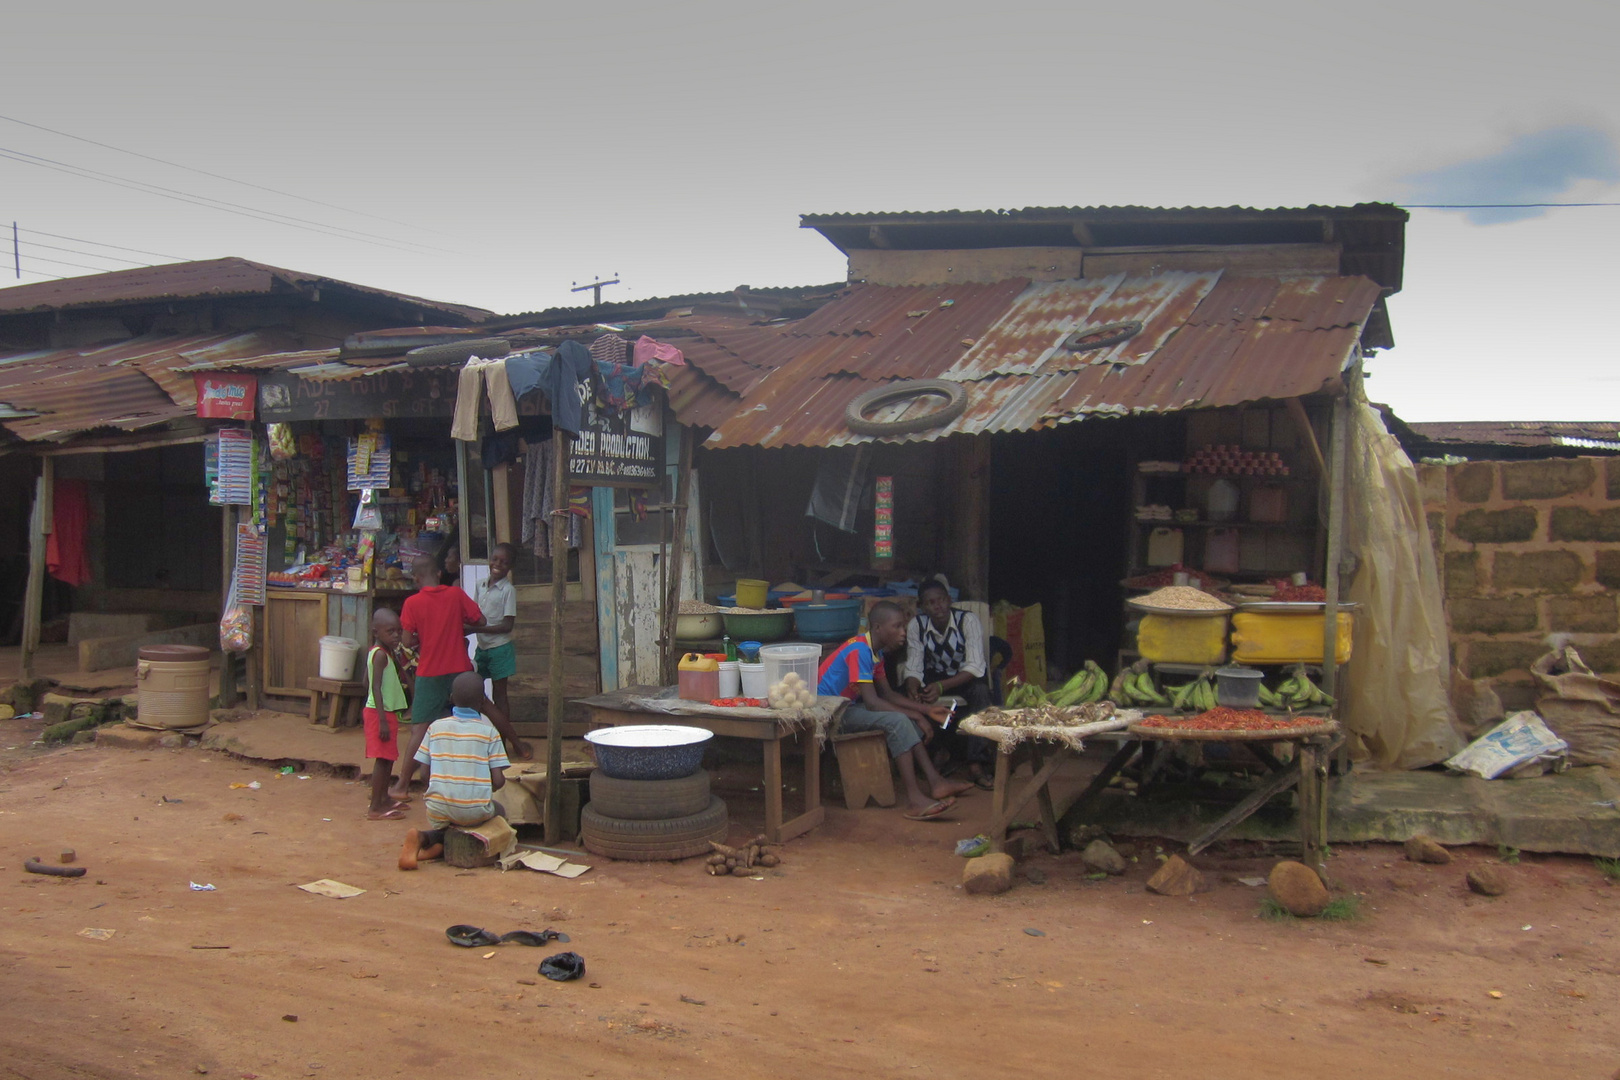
{"x": 984, "y": 783}
{"x": 531, "y": 938}
{"x": 470, "y": 937}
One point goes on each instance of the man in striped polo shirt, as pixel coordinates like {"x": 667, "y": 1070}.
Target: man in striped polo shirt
{"x": 465, "y": 762}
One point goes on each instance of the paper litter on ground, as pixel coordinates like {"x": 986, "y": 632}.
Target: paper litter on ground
{"x": 95, "y": 933}
{"x": 546, "y": 864}
{"x": 202, "y": 888}
{"x": 334, "y": 889}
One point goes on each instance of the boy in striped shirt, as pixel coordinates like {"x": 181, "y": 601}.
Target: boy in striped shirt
{"x": 465, "y": 764}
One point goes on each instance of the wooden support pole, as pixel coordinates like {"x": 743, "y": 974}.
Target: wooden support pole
{"x": 559, "y": 596}
{"x": 39, "y": 529}
{"x": 677, "y": 558}
{"x": 1296, "y": 409}
{"x": 257, "y": 657}
{"x": 227, "y": 545}
{"x": 1337, "y": 437}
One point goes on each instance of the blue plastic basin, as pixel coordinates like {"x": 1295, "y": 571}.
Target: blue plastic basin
{"x": 833, "y": 620}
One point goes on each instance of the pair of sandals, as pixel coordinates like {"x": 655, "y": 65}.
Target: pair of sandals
{"x": 476, "y": 937}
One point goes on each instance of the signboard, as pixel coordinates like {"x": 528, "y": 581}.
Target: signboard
{"x": 400, "y": 392}
{"x": 883, "y": 520}
{"x": 610, "y": 452}
{"x": 225, "y": 397}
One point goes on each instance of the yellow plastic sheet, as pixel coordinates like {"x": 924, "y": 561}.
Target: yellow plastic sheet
{"x": 1396, "y": 704}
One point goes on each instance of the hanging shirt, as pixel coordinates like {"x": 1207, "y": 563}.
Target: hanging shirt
{"x": 957, "y": 648}
{"x": 436, "y": 615}
{"x": 497, "y": 600}
{"x": 847, "y": 667}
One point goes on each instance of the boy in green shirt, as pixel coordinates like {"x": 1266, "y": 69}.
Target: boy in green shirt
{"x": 385, "y": 700}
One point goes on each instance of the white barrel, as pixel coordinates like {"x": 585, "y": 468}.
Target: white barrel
{"x": 337, "y": 657}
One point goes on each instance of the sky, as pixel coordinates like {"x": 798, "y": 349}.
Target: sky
{"x": 495, "y": 154}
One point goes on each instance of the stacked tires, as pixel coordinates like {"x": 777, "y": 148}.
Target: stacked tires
{"x": 649, "y": 820}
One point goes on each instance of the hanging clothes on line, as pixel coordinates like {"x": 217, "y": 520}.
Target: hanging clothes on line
{"x": 540, "y": 498}
{"x": 66, "y": 556}
{"x": 477, "y": 376}
{"x": 651, "y": 349}
{"x": 610, "y": 349}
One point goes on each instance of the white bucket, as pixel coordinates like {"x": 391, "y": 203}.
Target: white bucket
{"x": 753, "y": 679}
{"x": 337, "y": 657}
{"x": 730, "y": 679}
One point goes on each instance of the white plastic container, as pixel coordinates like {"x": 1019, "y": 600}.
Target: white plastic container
{"x": 1222, "y": 502}
{"x": 730, "y": 679}
{"x": 337, "y": 657}
{"x": 1164, "y": 547}
{"x": 752, "y": 679}
{"x": 790, "y": 675}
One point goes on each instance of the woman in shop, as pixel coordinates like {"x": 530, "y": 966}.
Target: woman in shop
{"x": 449, "y": 559}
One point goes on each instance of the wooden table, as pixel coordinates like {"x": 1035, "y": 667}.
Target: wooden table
{"x": 1306, "y": 771}
{"x": 620, "y": 707}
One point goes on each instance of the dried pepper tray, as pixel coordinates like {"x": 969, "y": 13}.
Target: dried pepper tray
{"x": 1304, "y": 725}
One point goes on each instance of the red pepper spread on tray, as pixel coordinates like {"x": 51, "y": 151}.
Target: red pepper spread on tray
{"x": 1221, "y": 718}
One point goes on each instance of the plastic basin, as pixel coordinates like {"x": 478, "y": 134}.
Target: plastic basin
{"x": 649, "y": 751}
{"x": 759, "y": 625}
{"x": 831, "y": 620}
{"x": 698, "y": 627}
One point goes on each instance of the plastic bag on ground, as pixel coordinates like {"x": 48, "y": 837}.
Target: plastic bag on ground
{"x": 1518, "y": 741}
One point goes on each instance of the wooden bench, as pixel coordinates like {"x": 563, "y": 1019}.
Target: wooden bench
{"x": 863, "y": 768}
{"x": 341, "y": 701}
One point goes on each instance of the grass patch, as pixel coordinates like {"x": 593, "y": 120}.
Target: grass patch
{"x": 1609, "y": 868}
{"x": 1509, "y": 855}
{"x": 1339, "y": 909}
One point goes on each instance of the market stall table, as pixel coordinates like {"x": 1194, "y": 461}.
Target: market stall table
{"x": 653, "y": 704}
{"x": 1305, "y": 770}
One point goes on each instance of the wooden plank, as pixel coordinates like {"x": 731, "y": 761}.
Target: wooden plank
{"x": 503, "y": 502}
{"x": 39, "y": 528}
{"x": 677, "y": 556}
{"x": 1273, "y": 784}
{"x": 559, "y": 584}
{"x": 1337, "y": 483}
{"x": 287, "y": 638}
{"x": 607, "y": 626}
{"x": 1000, "y": 821}
{"x": 771, "y": 783}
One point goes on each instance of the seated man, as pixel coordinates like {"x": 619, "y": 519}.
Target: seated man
{"x": 849, "y": 672}
{"x": 945, "y": 655}
{"x": 465, "y": 764}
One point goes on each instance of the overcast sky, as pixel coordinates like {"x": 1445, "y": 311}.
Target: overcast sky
{"x": 494, "y": 153}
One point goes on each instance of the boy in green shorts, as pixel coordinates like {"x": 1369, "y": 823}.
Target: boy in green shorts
{"x": 496, "y": 658}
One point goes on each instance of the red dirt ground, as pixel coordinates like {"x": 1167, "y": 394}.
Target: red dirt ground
{"x": 860, "y": 955}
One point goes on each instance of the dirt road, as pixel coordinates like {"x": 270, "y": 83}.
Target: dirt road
{"x": 860, "y": 956}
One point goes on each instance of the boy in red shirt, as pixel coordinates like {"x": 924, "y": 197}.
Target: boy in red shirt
{"x": 435, "y": 619}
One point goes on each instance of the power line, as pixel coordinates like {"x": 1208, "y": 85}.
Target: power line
{"x": 24, "y": 158}
{"x": 98, "y": 243}
{"x": 63, "y": 262}
{"x": 202, "y": 172}
{"x": 89, "y": 254}
{"x": 41, "y": 273}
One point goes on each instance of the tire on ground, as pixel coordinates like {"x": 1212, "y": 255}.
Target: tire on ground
{"x": 649, "y": 841}
{"x": 649, "y": 800}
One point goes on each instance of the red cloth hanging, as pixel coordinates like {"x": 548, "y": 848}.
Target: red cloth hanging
{"x": 66, "y": 556}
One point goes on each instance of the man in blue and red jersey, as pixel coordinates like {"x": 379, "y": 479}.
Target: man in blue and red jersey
{"x": 851, "y": 671}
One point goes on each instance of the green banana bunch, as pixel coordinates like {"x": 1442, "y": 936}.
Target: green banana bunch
{"x": 1140, "y": 690}
{"x": 1085, "y": 686}
{"x": 1299, "y": 692}
{"x": 1270, "y": 699}
{"x": 1196, "y": 696}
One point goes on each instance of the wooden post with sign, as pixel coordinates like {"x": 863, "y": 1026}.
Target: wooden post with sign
{"x": 559, "y": 592}
{"x": 677, "y": 558}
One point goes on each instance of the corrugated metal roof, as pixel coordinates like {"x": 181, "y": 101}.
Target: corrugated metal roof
{"x": 128, "y": 384}
{"x": 196, "y": 280}
{"x": 1571, "y": 433}
{"x": 1209, "y": 340}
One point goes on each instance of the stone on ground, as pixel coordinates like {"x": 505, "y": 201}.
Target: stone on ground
{"x": 1177, "y": 877}
{"x": 1101, "y": 856}
{"x": 1423, "y": 849}
{"x": 988, "y": 875}
{"x": 1488, "y": 880}
{"x": 1298, "y": 889}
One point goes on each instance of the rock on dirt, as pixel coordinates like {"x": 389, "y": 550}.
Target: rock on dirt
{"x": 1425, "y": 849}
{"x": 989, "y": 874}
{"x": 1177, "y": 877}
{"x": 1298, "y": 889}
{"x": 1488, "y": 880}
{"x": 1101, "y": 856}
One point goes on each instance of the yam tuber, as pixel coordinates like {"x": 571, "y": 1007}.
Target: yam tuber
{"x": 717, "y": 869}
{"x": 768, "y": 859}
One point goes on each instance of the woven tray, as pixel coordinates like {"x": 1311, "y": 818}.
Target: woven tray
{"x": 1320, "y": 726}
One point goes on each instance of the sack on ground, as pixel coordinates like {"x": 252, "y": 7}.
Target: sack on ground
{"x": 1581, "y": 708}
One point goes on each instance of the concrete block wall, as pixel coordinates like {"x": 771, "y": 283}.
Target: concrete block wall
{"x": 1527, "y": 549}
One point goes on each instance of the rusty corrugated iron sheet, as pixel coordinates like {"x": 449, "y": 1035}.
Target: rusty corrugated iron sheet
{"x": 196, "y": 280}
{"x": 1539, "y": 433}
{"x": 1209, "y": 340}
{"x": 71, "y": 402}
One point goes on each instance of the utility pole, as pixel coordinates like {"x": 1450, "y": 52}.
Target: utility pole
{"x": 596, "y": 287}
{"x": 16, "y": 257}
